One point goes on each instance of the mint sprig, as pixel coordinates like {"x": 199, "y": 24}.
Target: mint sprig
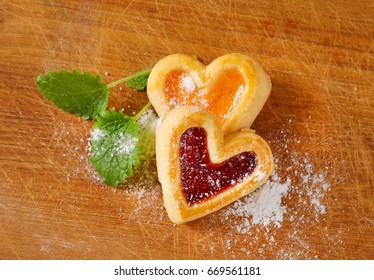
{"x": 137, "y": 81}
{"x": 81, "y": 94}
{"x": 114, "y": 142}
{"x": 115, "y": 147}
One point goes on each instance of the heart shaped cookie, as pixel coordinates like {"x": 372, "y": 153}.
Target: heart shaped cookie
{"x": 233, "y": 87}
{"x": 200, "y": 169}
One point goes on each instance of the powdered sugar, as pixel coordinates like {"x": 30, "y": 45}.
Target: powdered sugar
{"x": 273, "y": 221}
{"x": 125, "y": 144}
{"x": 264, "y": 206}
{"x": 187, "y": 83}
{"x": 274, "y": 216}
{"x": 97, "y": 134}
{"x": 259, "y": 175}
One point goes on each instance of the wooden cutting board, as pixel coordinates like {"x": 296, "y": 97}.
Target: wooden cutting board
{"x": 318, "y": 122}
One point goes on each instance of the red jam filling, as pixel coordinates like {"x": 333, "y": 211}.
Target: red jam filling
{"x": 203, "y": 179}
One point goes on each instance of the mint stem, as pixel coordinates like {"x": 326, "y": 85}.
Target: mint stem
{"x": 141, "y": 112}
{"x": 123, "y": 80}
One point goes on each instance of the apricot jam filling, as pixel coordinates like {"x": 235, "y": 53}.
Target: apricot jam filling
{"x": 203, "y": 179}
{"x": 219, "y": 97}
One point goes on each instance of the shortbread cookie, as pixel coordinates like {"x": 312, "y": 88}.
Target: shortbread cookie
{"x": 200, "y": 169}
{"x": 233, "y": 87}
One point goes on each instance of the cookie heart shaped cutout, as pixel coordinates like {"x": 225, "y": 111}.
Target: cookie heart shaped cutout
{"x": 233, "y": 87}
{"x": 200, "y": 169}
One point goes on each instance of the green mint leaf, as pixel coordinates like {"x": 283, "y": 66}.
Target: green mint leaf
{"x": 81, "y": 94}
{"x": 140, "y": 80}
{"x": 114, "y": 147}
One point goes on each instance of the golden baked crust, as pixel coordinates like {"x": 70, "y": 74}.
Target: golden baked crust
{"x": 220, "y": 148}
{"x": 235, "y": 108}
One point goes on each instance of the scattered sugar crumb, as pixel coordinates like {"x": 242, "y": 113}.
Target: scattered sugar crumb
{"x": 264, "y": 206}
{"x": 294, "y": 195}
{"x": 293, "y": 190}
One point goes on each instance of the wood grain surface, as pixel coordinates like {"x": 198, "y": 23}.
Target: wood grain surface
{"x": 318, "y": 122}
